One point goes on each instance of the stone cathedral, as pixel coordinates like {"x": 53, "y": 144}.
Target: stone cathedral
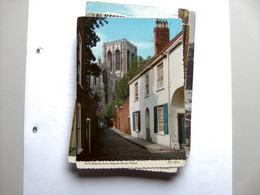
{"x": 117, "y": 58}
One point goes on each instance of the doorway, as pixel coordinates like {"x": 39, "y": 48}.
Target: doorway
{"x": 88, "y": 134}
{"x": 181, "y": 130}
{"x": 147, "y": 124}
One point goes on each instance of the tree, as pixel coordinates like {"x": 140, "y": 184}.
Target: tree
{"x": 91, "y": 39}
{"x": 110, "y": 109}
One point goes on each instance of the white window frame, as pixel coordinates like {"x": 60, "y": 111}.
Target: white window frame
{"x": 137, "y": 121}
{"x": 160, "y": 120}
{"x": 160, "y": 77}
{"x": 147, "y": 80}
{"x": 136, "y": 91}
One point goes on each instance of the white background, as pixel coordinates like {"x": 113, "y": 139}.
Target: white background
{"x": 50, "y": 94}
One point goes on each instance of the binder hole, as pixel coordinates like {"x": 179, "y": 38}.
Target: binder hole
{"x": 35, "y": 129}
{"x": 39, "y": 50}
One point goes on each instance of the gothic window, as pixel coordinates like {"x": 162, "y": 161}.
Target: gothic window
{"x": 133, "y": 56}
{"x": 109, "y": 58}
{"x": 117, "y": 60}
{"x": 128, "y": 60}
{"x": 95, "y": 80}
{"x": 105, "y": 82}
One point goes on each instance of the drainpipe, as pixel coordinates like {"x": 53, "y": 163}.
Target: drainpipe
{"x": 168, "y": 62}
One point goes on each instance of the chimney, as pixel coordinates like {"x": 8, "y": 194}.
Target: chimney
{"x": 161, "y": 35}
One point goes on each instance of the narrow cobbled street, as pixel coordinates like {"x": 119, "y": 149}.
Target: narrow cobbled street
{"x": 111, "y": 146}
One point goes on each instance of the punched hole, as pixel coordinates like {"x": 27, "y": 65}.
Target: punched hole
{"x": 39, "y": 50}
{"x": 35, "y": 129}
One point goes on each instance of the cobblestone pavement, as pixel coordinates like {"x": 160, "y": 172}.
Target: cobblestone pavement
{"x": 111, "y": 146}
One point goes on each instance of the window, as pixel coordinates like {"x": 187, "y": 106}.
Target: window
{"x": 109, "y": 54}
{"x": 136, "y": 91}
{"x": 133, "y": 57}
{"x": 105, "y": 81}
{"x": 161, "y": 119}
{"x": 136, "y": 121}
{"x": 79, "y": 66}
{"x": 147, "y": 83}
{"x": 128, "y": 60}
{"x": 88, "y": 78}
{"x": 160, "y": 76}
{"x": 117, "y": 60}
{"x": 95, "y": 80}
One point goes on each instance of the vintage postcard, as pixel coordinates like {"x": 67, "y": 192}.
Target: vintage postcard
{"x": 100, "y": 9}
{"x": 133, "y": 108}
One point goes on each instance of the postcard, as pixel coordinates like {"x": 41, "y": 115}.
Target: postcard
{"x": 127, "y": 79}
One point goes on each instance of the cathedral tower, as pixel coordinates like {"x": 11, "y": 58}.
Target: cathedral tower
{"x": 118, "y": 56}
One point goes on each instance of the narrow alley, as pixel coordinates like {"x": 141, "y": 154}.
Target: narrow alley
{"x": 111, "y": 146}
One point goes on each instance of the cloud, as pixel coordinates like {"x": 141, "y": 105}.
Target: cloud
{"x": 97, "y": 51}
{"x": 150, "y": 12}
{"x": 143, "y": 45}
{"x": 144, "y": 49}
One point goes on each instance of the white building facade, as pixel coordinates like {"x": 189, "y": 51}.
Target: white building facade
{"x": 157, "y": 107}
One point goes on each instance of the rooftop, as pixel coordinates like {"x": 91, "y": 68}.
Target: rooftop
{"x": 120, "y": 40}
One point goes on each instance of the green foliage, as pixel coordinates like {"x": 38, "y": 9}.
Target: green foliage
{"x": 122, "y": 89}
{"x": 110, "y": 109}
{"x": 91, "y": 39}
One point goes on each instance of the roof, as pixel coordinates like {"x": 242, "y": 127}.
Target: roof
{"x": 119, "y": 41}
{"x": 160, "y": 53}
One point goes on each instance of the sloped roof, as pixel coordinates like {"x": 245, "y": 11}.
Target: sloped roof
{"x": 156, "y": 56}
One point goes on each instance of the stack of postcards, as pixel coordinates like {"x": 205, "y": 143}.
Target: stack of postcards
{"x": 133, "y": 89}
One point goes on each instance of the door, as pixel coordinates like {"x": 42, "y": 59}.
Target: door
{"x": 147, "y": 124}
{"x": 181, "y": 129}
{"x": 88, "y": 132}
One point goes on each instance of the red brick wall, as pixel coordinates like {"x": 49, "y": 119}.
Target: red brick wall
{"x": 122, "y": 119}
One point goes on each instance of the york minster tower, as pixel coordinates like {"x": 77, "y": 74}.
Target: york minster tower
{"x": 118, "y": 56}
{"x": 116, "y": 60}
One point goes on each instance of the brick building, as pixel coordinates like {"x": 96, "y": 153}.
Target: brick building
{"x": 122, "y": 119}
{"x": 86, "y": 118}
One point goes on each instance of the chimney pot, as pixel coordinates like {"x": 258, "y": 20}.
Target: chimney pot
{"x": 161, "y": 35}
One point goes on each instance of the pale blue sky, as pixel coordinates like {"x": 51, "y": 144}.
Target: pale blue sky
{"x": 126, "y": 10}
{"x": 139, "y": 31}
